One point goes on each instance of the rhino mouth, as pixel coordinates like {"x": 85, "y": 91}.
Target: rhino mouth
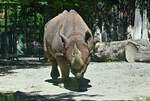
{"x": 76, "y": 67}
{"x": 74, "y": 70}
{"x": 76, "y": 73}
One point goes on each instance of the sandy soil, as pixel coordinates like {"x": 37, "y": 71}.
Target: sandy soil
{"x": 103, "y": 81}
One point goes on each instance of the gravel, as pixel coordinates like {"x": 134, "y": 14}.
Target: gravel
{"x": 103, "y": 81}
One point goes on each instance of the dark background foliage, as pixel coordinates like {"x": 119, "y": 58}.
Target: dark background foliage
{"x": 31, "y": 15}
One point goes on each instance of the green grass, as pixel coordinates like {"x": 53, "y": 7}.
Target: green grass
{"x": 147, "y": 98}
{"x": 108, "y": 61}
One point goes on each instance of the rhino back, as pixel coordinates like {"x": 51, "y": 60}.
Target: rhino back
{"x": 51, "y": 32}
{"x": 74, "y": 23}
{"x": 65, "y": 23}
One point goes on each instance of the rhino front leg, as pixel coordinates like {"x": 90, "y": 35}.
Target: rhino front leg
{"x": 65, "y": 73}
{"x": 65, "y": 69}
{"x": 65, "y": 76}
{"x": 54, "y": 72}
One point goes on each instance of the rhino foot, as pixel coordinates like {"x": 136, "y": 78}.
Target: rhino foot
{"x": 55, "y": 75}
{"x": 64, "y": 82}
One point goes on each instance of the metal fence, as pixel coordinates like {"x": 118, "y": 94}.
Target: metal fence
{"x": 21, "y": 30}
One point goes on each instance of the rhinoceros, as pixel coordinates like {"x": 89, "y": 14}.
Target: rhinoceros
{"x": 68, "y": 43}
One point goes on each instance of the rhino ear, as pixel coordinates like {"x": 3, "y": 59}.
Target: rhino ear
{"x": 64, "y": 39}
{"x": 88, "y": 37}
{"x": 89, "y": 40}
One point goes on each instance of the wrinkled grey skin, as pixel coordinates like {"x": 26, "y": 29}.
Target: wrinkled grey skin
{"x": 67, "y": 39}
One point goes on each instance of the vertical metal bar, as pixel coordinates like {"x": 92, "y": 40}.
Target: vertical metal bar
{"x": 5, "y": 17}
{"x": 14, "y": 34}
{"x": 5, "y": 98}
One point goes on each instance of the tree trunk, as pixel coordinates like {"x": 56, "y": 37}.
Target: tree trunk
{"x": 109, "y": 51}
{"x": 131, "y": 50}
{"x": 97, "y": 34}
{"x": 145, "y": 26}
{"x": 104, "y": 34}
{"x": 137, "y": 25}
{"x": 137, "y": 50}
{"x": 134, "y": 32}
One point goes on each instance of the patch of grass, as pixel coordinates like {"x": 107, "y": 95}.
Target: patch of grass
{"x": 147, "y": 98}
{"x": 108, "y": 61}
{"x": 20, "y": 96}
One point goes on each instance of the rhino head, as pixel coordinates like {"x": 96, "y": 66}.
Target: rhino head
{"x": 77, "y": 51}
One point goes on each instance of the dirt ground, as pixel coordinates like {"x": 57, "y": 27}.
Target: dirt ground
{"x": 103, "y": 81}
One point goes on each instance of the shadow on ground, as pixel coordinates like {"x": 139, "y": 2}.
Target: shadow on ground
{"x": 20, "y": 96}
{"x": 7, "y": 66}
{"x": 72, "y": 84}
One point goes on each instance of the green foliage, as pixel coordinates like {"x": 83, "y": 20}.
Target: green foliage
{"x": 9, "y": 97}
{"x": 89, "y": 10}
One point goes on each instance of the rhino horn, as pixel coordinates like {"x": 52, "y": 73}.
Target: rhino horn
{"x": 76, "y": 50}
{"x": 77, "y": 61}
